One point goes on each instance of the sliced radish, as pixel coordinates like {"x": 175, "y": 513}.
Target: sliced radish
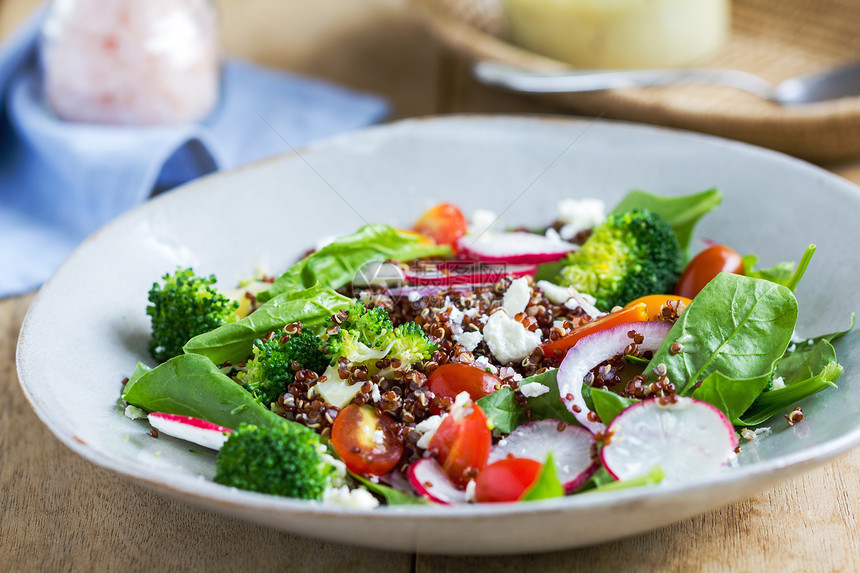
{"x": 190, "y": 429}
{"x": 465, "y": 273}
{"x": 571, "y": 448}
{"x": 515, "y": 248}
{"x": 593, "y": 349}
{"x": 431, "y": 482}
{"x": 687, "y": 438}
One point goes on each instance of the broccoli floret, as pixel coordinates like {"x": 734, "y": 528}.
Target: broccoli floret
{"x": 632, "y": 254}
{"x": 411, "y": 345}
{"x": 370, "y": 327}
{"x": 281, "y": 461}
{"x": 185, "y": 306}
{"x": 270, "y": 371}
{"x": 367, "y": 335}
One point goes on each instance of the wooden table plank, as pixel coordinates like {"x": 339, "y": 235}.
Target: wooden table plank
{"x": 58, "y": 511}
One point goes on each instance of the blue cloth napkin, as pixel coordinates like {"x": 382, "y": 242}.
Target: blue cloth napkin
{"x": 61, "y": 181}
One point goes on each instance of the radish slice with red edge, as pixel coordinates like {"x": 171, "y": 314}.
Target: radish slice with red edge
{"x": 593, "y": 349}
{"x": 430, "y": 481}
{"x": 465, "y": 273}
{"x": 514, "y": 248}
{"x": 571, "y": 448}
{"x": 687, "y": 438}
{"x": 190, "y": 429}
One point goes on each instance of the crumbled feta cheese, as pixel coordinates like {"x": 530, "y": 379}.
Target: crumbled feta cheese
{"x": 579, "y": 215}
{"x": 375, "y": 394}
{"x": 470, "y": 491}
{"x": 462, "y": 406}
{"x": 456, "y": 315}
{"x": 509, "y": 340}
{"x": 134, "y": 413}
{"x": 469, "y": 340}
{"x": 555, "y": 293}
{"x": 778, "y": 383}
{"x": 517, "y": 296}
{"x": 553, "y": 235}
{"x": 533, "y": 389}
{"x": 471, "y": 312}
{"x": 358, "y": 498}
{"x": 378, "y": 437}
{"x": 413, "y": 296}
{"x": 585, "y": 302}
{"x": 427, "y": 428}
{"x": 482, "y": 221}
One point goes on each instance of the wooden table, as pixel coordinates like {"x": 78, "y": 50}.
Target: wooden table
{"x": 59, "y": 512}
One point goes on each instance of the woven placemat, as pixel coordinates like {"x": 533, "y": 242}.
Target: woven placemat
{"x": 772, "y": 39}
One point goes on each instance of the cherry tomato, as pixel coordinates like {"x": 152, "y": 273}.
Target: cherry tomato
{"x": 444, "y": 223}
{"x": 449, "y": 380}
{"x": 637, "y": 313}
{"x": 705, "y": 266}
{"x": 507, "y": 479}
{"x": 656, "y": 302}
{"x": 367, "y": 442}
{"x": 462, "y": 442}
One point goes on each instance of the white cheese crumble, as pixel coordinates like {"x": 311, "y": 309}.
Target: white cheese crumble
{"x": 469, "y": 340}
{"x": 427, "y": 428}
{"x": 134, "y": 413}
{"x": 509, "y": 340}
{"x": 517, "y": 296}
{"x": 456, "y": 315}
{"x": 555, "y": 293}
{"x": 482, "y": 221}
{"x": 470, "y": 491}
{"x": 533, "y": 389}
{"x": 378, "y": 437}
{"x": 375, "y": 394}
{"x": 413, "y": 296}
{"x": 339, "y": 477}
{"x": 462, "y": 406}
{"x": 778, "y": 383}
{"x": 579, "y": 215}
{"x": 358, "y": 498}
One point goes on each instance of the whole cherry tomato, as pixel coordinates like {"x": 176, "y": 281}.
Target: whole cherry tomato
{"x": 637, "y": 313}
{"x": 506, "y": 480}
{"x": 705, "y": 266}
{"x": 462, "y": 442}
{"x": 367, "y": 442}
{"x": 444, "y": 223}
{"x": 656, "y": 302}
{"x": 449, "y": 380}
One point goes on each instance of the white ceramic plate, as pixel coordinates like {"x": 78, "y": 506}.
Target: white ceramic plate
{"x": 87, "y": 327}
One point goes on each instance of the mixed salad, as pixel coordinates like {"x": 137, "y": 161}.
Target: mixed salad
{"x": 458, "y": 363}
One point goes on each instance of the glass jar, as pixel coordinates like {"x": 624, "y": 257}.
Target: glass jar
{"x": 620, "y": 33}
{"x": 131, "y": 62}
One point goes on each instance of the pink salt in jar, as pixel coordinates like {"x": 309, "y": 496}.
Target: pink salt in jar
{"x": 131, "y": 62}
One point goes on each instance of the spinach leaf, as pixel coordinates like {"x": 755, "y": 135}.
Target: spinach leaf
{"x": 609, "y": 404}
{"x": 682, "y": 213}
{"x": 548, "y": 406}
{"x": 191, "y": 385}
{"x": 336, "y": 264}
{"x": 389, "y": 494}
{"x": 805, "y": 362}
{"x": 807, "y": 343}
{"x": 547, "y": 485}
{"x": 234, "y": 341}
{"x": 598, "y": 478}
{"x": 549, "y": 271}
{"x": 652, "y": 477}
{"x": 732, "y": 396}
{"x": 736, "y": 325}
{"x": 773, "y": 402}
{"x": 503, "y": 411}
{"x": 785, "y": 274}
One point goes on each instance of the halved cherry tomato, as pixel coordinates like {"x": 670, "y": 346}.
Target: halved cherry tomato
{"x": 637, "y": 313}
{"x": 367, "y": 442}
{"x": 444, "y": 223}
{"x": 449, "y": 380}
{"x": 705, "y": 266}
{"x": 462, "y": 442}
{"x": 656, "y": 302}
{"x": 507, "y": 479}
